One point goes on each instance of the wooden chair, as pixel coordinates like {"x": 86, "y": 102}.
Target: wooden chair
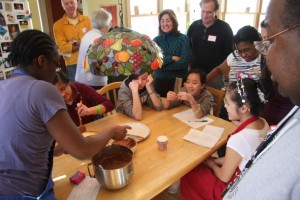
{"x": 218, "y": 96}
{"x": 111, "y": 93}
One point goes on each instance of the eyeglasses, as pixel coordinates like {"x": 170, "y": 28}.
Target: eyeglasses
{"x": 264, "y": 45}
{"x": 58, "y": 67}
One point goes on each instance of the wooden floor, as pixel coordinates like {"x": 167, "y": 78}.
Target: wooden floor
{"x": 165, "y": 195}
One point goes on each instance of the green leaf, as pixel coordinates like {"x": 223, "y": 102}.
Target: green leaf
{"x": 109, "y": 72}
{"x": 129, "y": 66}
{"x": 121, "y": 69}
{"x": 102, "y": 68}
{"x": 143, "y": 65}
{"x": 132, "y": 49}
{"x": 142, "y": 52}
{"x": 148, "y": 57}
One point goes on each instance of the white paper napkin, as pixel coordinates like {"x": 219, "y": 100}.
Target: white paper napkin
{"x": 88, "y": 189}
{"x": 189, "y": 118}
{"x": 206, "y": 138}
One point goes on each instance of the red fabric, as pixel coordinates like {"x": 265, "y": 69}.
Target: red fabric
{"x": 202, "y": 184}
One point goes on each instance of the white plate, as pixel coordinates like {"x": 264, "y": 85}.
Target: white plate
{"x": 141, "y": 131}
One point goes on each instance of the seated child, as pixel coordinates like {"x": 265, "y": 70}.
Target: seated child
{"x": 193, "y": 94}
{"x": 83, "y": 102}
{"x": 208, "y": 180}
{"x": 136, "y": 91}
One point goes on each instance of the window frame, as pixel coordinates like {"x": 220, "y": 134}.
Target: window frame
{"x": 188, "y": 10}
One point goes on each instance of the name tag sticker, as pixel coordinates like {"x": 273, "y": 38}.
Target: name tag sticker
{"x": 212, "y": 38}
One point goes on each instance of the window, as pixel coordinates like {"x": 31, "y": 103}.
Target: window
{"x": 143, "y": 14}
{"x": 239, "y": 13}
{"x": 143, "y": 7}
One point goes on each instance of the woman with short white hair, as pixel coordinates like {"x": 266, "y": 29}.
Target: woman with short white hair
{"x": 101, "y": 23}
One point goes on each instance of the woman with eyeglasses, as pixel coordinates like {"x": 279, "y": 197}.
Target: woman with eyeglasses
{"x": 244, "y": 59}
{"x": 33, "y": 116}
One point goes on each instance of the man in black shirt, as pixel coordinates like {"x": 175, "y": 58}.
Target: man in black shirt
{"x": 210, "y": 40}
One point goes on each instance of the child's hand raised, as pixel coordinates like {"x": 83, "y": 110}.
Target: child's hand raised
{"x": 149, "y": 80}
{"x": 184, "y": 96}
{"x": 171, "y": 96}
{"x": 82, "y": 110}
{"x": 134, "y": 85}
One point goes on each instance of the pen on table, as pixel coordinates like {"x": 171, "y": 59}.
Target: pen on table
{"x": 199, "y": 121}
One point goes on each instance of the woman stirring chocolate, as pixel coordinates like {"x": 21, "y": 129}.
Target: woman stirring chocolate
{"x": 33, "y": 115}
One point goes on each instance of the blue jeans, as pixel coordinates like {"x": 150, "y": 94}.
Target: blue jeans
{"x": 71, "y": 71}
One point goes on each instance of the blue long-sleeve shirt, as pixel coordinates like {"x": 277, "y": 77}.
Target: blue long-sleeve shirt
{"x": 173, "y": 45}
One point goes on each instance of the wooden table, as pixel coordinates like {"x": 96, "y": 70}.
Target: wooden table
{"x": 154, "y": 170}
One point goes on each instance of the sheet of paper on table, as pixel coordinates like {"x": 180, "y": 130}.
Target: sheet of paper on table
{"x": 189, "y": 118}
{"x": 87, "y": 189}
{"x": 206, "y": 138}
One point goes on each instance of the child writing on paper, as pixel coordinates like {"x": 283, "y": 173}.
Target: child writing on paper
{"x": 243, "y": 102}
{"x": 136, "y": 91}
{"x": 193, "y": 95}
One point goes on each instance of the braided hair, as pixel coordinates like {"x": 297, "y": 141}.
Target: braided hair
{"x": 245, "y": 34}
{"x": 28, "y": 45}
{"x": 249, "y": 94}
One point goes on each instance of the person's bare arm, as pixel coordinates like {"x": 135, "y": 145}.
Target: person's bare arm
{"x": 223, "y": 68}
{"x": 194, "y": 105}
{"x": 154, "y": 98}
{"x": 83, "y": 110}
{"x": 65, "y": 132}
{"x": 171, "y": 96}
{"x": 229, "y": 166}
{"x": 137, "y": 105}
